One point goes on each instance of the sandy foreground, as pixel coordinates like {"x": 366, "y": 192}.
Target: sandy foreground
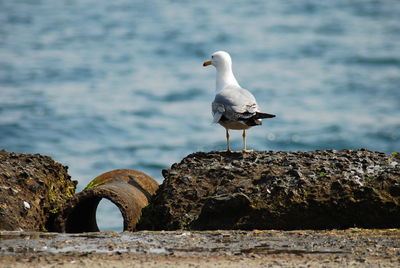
{"x": 336, "y": 248}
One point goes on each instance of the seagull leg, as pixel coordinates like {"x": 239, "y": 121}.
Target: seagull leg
{"x": 244, "y": 140}
{"x": 227, "y": 141}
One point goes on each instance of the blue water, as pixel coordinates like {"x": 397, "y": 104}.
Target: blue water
{"x": 100, "y": 85}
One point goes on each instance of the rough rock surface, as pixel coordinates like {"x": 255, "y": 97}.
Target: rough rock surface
{"x": 33, "y": 189}
{"x": 278, "y": 190}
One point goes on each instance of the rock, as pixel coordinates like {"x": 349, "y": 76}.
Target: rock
{"x": 129, "y": 190}
{"x": 278, "y": 190}
{"x": 33, "y": 189}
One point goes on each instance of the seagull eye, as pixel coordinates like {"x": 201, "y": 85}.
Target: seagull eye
{"x": 212, "y": 57}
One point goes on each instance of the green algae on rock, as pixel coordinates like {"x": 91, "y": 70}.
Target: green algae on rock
{"x": 278, "y": 190}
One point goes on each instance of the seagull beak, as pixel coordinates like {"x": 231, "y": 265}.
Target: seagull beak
{"x": 206, "y": 63}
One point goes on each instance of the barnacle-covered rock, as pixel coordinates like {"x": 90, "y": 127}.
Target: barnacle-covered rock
{"x": 278, "y": 190}
{"x": 33, "y": 189}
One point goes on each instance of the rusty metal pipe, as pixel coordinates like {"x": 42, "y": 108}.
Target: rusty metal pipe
{"x": 129, "y": 190}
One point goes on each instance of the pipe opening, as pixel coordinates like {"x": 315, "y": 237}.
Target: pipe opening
{"x": 88, "y": 216}
{"x": 109, "y": 217}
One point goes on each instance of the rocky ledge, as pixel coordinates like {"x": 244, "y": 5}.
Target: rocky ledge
{"x": 206, "y": 249}
{"x": 33, "y": 190}
{"x": 278, "y": 190}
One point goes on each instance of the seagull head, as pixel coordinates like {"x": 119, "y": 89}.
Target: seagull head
{"x": 223, "y": 63}
{"x": 219, "y": 59}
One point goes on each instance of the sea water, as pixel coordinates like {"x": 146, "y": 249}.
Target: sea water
{"x": 101, "y": 85}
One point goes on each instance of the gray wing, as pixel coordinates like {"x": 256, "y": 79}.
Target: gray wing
{"x": 233, "y": 102}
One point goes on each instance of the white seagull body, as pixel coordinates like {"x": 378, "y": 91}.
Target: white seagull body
{"x": 233, "y": 107}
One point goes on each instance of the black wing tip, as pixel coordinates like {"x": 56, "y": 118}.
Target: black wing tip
{"x": 264, "y": 115}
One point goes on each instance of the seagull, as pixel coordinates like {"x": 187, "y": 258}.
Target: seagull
{"x": 233, "y": 107}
